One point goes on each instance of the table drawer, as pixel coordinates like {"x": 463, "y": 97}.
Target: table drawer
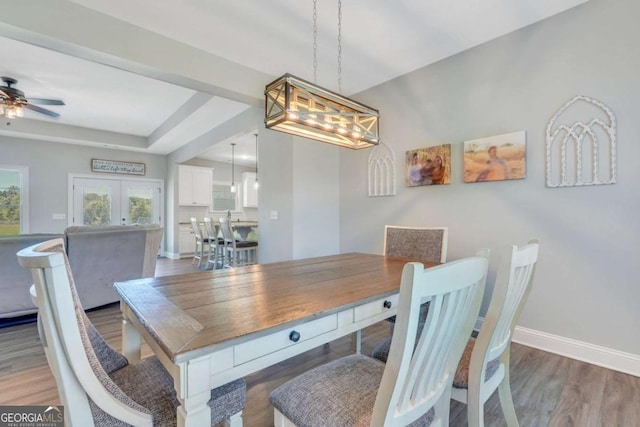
{"x": 376, "y": 307}
{"x": 270, "y": 343}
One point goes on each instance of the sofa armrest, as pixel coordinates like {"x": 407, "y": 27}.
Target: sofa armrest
{"x": 14, "y": 279}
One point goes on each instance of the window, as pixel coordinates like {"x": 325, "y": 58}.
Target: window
{"x": 14, "y": 198}
{"x": 224, "y": 199}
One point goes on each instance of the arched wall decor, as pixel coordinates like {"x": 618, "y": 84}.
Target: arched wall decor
{"x": 599, "y": 133}
{"x": 382, "y": 171}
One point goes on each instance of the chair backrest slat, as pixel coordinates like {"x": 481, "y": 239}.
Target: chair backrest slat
{"x": 225, "y": 228}
{"x": 414, "y": 381}
{"x": 513, "y": 281}
{"x": 209, "y": 230}
{"x": 196, "y": 229}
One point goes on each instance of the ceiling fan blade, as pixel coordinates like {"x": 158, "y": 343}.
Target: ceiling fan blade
{"x": 4, "y": 94}
{"x": 41, "y": 110}
{"x": 42, "y": 101}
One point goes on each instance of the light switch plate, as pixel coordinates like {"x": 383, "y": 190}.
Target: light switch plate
{"x": 274, "y": 215}
{"x": 59, "y": 216}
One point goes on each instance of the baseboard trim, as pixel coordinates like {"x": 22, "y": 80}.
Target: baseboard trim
{"x": 627, "y": 363}
{"x": 171, "y": 255}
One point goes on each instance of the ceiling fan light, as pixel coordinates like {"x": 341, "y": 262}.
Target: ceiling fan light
{"x": 10, "y": 113}
{"x": 19, "y": 111}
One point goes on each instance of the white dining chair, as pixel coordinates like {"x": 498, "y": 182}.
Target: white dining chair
{"x": 237, "y": 253}
{"x": 201, "y": 243}
{"x": 414, "y": 387}
{"x": 96, "y": 384}
{"x": 215, "y": 252}
{"x": 381, "y": 350}
{"x": 484, "y": 366}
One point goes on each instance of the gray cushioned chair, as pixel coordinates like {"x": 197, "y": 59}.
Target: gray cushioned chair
{"x": 414, "y": 387}
{"x": 423, "y": 243}
{"x": 97, "y": 385}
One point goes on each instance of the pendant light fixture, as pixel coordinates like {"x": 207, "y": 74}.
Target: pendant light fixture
{"x": 233, "y": 183}
{"x": 256, "y": 185}
{"x": 298, "y": 107}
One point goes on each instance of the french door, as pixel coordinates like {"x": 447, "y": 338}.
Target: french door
{"x": 98, "y": 201}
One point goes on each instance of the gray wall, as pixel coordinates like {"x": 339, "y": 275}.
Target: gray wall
{"x": 586, "y": 282}
{"x": 299, "y": 179}
{"x": 316, "y": 198}
{"x": 275, "y": 173}
{"x": 50, "y": 164}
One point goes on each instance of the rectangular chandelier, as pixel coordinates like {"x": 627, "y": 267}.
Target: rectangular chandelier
{"x": 295, "y": 106}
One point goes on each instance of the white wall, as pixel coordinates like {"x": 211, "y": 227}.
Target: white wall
{"x": 586, "y": 282}
{"x": 49, "y": 166}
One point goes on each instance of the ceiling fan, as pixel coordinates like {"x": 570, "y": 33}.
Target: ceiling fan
{"x": 12, "y": 101}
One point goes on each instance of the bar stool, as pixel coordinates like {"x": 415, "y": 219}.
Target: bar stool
{"x": 237, "y": 253}
{"x": 215, "y": 254}
{"x": 201, "y": 242}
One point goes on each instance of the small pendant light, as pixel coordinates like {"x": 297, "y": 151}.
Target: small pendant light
{"x": 256, "y": 185}
{"x": 233, "y": 183}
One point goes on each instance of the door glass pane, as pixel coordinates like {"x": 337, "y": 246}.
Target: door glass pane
{"x": 140, "y": 208}
{"x": 9, "y": 202}
{"x": 96, "y": 206}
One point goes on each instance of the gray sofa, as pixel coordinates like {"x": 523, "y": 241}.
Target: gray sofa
{"x": 99, "y": 256}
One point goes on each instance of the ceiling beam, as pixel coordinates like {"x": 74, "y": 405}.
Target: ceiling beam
{"x": 240, "y": 124}
{"x": 48, "y": 131}
{"x": 69, "y": 28}
{"x": 192, "y": 105}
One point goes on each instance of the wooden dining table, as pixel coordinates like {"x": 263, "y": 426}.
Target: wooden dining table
{"x": 212, "y": 327}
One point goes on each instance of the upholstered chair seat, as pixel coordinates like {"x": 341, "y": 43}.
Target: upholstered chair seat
{"x": 340, "y": 393}
{"x": 461, "y": 379}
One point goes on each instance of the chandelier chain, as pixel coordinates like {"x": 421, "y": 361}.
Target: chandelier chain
{"x": 339, "y": 46}
{"x": 315, "y": 42}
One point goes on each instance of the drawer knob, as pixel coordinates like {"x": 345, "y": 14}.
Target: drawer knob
{"x": 386, "y": 304}
{"x": 294, "y": 336}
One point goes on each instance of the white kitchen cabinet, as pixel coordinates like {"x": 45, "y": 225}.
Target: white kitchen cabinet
{"x": 194, "y": 185}
{"x": 249, "y": 192}
{"x": 186, "y": 240}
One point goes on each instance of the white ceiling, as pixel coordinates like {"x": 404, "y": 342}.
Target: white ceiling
{"x": 380, "y": 41}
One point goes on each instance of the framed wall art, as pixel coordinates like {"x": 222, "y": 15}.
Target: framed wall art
{"x": 118, "y": 167}
{"x": 428, "y": 166}
{"x": 496, "y": 158}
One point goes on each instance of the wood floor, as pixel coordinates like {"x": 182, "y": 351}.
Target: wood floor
{"x": 548, "y": 390}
